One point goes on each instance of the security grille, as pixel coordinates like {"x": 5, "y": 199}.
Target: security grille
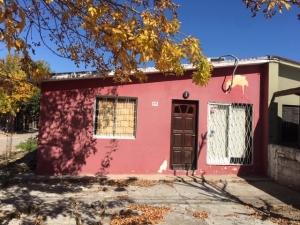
{"x": 290, "y": 123}
{"x": 229, "y": 133}
{"x": 115, "y": 117}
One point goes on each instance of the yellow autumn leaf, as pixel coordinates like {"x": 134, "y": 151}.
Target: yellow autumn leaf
{"x": 23, "y": 20}
{"x": 2, "y": 16}
{"x": 115, "y": 15}
{"x": 92, "y": 10}
{"x": 74, "y": 55}
{"x": 287, "y": 6}
{"x": 271, "y": 5}
{"x": 8, "y": 45}
{"x": 131, "y": 38}
{"x": 19, "y": 44}
{"x": 117, "y": 31}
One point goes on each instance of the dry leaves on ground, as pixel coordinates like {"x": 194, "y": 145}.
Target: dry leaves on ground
{"x": 135, "y": 182}
{"x": 38, "y": 220}
{"x": 144, "y": 183}
{"x": 200, "y": 215}
{"x": 151, "y": 215}
{"x": 281, "y": 221}
{"x": 285, "y": 208}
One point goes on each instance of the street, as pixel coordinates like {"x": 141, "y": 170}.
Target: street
{"x": 17, "y": 138}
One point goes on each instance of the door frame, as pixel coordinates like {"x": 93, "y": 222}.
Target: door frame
{"x": 195, "y": 163}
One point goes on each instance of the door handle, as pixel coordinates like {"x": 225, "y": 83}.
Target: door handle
{"x": 193, "y": 135}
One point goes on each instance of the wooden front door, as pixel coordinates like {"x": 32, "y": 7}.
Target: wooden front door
{"x": 183, "y": 135}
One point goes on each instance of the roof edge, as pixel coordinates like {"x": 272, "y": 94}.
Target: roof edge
{"x": 282, "y": 59}
{"x": 151, "y": 70}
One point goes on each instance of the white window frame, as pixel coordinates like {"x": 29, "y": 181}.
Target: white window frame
{"x": 116, "y": 98}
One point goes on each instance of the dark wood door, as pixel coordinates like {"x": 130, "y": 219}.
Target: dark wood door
{"x": 183, "y": 135}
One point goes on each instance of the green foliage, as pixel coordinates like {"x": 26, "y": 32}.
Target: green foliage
{"x": 31, "y": 107}
{"x": 29, "y": 145}
{"x": 42, "y": 65}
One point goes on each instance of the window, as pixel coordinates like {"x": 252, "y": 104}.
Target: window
{"x": 115, "y": 117}
{"x": 290, "y": 123}
{"x": 229, "y": 134}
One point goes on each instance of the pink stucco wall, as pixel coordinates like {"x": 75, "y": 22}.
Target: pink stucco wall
{"x": 67, "y": 145}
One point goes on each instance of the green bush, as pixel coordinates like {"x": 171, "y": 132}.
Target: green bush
{"x": 29, "y": 145}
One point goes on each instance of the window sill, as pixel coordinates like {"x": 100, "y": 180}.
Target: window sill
{"x": 113, "y": 137}
{"x": 225, "y": 162}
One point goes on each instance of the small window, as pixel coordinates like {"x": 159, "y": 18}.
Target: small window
{"x": 191, "y": 110}
{"x": 290, "y": 123}
{"x": 115, "y": 117}
{"x": 230, "y": 134}
{"x": 177, "y": 109}
{"x": 183, "y": 108}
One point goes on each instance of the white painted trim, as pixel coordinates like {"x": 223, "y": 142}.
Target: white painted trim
{"x": 113, "y": 137}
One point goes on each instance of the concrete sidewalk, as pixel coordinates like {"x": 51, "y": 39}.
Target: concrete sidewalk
{"x": 192, "y": 200}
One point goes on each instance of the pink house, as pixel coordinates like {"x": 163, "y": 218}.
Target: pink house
{"x": 167, "y": 125}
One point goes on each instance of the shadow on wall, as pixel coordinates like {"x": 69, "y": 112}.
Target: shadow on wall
{"x": 106, "y": 161}
{"x": 66, "y": 131}
{"x": 201, "y": 143}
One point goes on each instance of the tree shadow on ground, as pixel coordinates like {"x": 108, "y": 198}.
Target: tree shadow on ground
{"x": 205, "y": 189}
{"x": 60, "y": 200}
{"x": 266, "y": 210}
{"x": 65, "y": 142}
{"x": 19, "y": 162}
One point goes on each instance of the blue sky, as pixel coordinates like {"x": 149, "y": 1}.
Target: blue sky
{"x": 223, "y": 27}
{"x": 227, "y": 27}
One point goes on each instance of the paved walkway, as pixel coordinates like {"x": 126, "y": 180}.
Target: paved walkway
{"x": 182, "y": 200}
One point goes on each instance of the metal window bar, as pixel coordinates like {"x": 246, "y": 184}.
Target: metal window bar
{"x": 230, "y": 133}
{"x": 115, "y": 117}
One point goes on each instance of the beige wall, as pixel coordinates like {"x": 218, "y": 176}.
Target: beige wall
{"x": 284, "y": 165}
{"x": 282, "y": 76}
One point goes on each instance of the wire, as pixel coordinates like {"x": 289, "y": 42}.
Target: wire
{"x": 236, "y": 63}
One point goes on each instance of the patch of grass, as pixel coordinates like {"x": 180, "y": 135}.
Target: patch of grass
{"x": 29, "y": 145}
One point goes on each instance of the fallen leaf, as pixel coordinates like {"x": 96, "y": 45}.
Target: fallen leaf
{"x": 200, "y": 215}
